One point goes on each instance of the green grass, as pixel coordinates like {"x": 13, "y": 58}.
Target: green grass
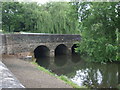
{"x": 62, "y": 77}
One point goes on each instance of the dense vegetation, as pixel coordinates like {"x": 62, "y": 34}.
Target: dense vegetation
{"x": 0, "y": 15}
{"x": 98, "y": 24}
{"x": 100, "y": 30}
{"x": 54, "y": 17}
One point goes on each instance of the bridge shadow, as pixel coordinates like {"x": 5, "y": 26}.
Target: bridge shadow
{"x": 61, "y": 50}
{"x": 73, "y": 49}
{"x": 60, "y": 60}
{"x": 43, "y": 61}
{"x": 41, "y": 51}
{"x": 42, "y": 55}
{"x": 75, "y": 57}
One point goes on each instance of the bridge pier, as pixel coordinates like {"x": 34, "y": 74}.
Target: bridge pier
{"x": 52, "y": 53}
{"x": 69, "y": 51}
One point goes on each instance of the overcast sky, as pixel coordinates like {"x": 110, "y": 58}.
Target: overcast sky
{"x": 42, "y": 1}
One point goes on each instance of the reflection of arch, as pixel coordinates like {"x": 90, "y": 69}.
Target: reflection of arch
{"x": 61, "y": 50}
{"x": 60, "y": 60}
{"x": 44, "y": 61}
{"x": 73, "y": 48}
{"x": 41, "y": 51}
{"x": 75, "y": 58}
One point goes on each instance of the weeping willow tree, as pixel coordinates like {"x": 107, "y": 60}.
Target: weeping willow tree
{"x": 57, "y": 17}
{"x": 53, "y": 17}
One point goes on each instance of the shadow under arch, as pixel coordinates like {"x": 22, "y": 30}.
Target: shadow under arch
{"x": 60, "y": 60}
{"x": 43, "y": 61}
{"x": 41, "y": 51}
{"x": 61, "y": 50}
{"x": 73, "y": 49}
{"x": 75, "y": 56}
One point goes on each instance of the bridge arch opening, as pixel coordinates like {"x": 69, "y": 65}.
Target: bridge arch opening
{"x": 75, "y": 56}
{"x": 41, "y": 51}
{"x": 73, "y": 49}
{"x": 61, "y": 50}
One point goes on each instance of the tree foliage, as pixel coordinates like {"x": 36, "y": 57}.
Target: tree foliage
{"x": 98, "y": 24}
{"x": 53, "y": 17}
{"x": 100, "y": 30}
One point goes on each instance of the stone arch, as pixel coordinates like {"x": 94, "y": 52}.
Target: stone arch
{"x": 61, "y": 49}
{"x": 73, "y": 48}
{"x": 41, "y": 51}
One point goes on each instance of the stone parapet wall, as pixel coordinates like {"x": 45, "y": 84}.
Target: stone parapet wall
{"x": 40, "y": 38}
{"x": 2, "y": 45}
{"x": 7, "y": 79}
{"x": 18, "y": 43}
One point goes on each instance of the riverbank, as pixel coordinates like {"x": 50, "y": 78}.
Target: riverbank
{"x": 30, "y": 76}
{"x": 62, "y": 77}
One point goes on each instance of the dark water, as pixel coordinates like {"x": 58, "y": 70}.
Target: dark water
{"x": 84, "y": 73}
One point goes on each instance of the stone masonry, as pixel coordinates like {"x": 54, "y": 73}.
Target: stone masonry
{"x": 19, "y": 43}
{"x": 7, "y": 79}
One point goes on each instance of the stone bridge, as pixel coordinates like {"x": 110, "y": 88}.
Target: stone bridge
{"x": 39, "y": 44}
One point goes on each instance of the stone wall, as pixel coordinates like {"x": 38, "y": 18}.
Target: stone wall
{"x": 18, "y": 43}
{"x": 0, "y": 47}
{"x": 7, "y": 79}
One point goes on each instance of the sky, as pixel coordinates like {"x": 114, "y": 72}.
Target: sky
{"x": 42, "y": 1}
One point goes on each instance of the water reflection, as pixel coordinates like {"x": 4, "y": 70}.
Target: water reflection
{"x": 97, "y": 75}
{"x": 75, "y": 58}
{"x": 60, "y": 60}
{"x": 43, "y": 61}
{"x": 119, "y": 76}
{"x": 84, "y": 73}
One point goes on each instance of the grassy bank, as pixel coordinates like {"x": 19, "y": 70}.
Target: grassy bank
{"x": 62, "y": 77}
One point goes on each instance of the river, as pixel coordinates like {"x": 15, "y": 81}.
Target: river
{"x": 95, "y": 75}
